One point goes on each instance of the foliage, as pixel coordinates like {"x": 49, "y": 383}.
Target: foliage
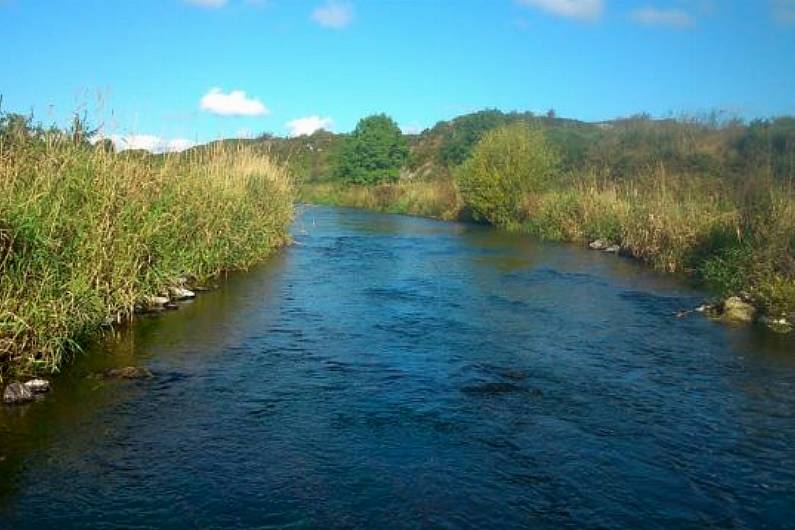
{"x": 708, "y": 196}
{"x": 85, "y": 233}
{"x": 507, "y": 164}
{"x": 461, "y": 135}
{"x": 374, "y": 152}
{"x": 438, "y": 198}
{"x": 768, "y": 144}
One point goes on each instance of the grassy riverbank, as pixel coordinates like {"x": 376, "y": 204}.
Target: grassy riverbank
{"x": 85, "y": 234}
{"x": 715, "y": 201}
{"x": 673, "y": 225}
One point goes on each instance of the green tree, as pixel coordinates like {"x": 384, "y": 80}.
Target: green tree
{"x": 373, "y": 153}
{"x": 506, "y": 165}
{"x": 463, "y": 133}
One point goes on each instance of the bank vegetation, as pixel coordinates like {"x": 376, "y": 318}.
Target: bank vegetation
{"x": 88, "y": 234}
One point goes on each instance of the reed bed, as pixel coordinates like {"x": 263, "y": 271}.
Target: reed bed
{"x": 86, "y": 233}
{"x": 438, "y": 199}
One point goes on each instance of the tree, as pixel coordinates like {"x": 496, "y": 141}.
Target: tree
{"x": 506, "y": 165}
{"x": 464, "y": 132}
{"x": 373, "y": 153}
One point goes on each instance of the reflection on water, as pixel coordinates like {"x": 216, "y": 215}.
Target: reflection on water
{"x": 388, "y": 371}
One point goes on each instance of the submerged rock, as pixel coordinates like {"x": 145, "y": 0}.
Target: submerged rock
{"x": 38, "y": 386}
{"x": 492, "y": 388}
{"x": 735, "y": 309}
{"x": 613, "y": 249}
{"x": 16, "y": 392}
{"x": 129, "y": 372}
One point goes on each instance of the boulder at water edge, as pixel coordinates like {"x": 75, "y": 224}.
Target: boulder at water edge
{"x": 17, "y": 393}
{"x": 598, "y": 245}
{"x": 737, "y": 310}
{"x": 180, "y": 293}
{"x": 38, "y": 386}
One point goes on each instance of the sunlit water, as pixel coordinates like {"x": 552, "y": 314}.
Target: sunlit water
{"x": 393, "y": 372}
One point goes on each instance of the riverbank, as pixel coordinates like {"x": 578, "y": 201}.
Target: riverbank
{"x": 673, "y": 225}
{"x": 88, "y": 235}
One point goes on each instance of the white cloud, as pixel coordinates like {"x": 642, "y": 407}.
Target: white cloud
{"x": 334, "y": 14}
{"x": 674, "y": 18}
{"x": 579, "y": 9}
{"x": 308, "y": 125}
{"x": 235, "y": 103}
{"x": 213, "y": 4}
{"x": 149, "y": 142}
{"x": 784, "y": 11}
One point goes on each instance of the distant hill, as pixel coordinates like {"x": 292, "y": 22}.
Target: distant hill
{"x": 620, "y": 148}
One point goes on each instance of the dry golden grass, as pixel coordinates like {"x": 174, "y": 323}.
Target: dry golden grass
{"x": 85, "y": 234}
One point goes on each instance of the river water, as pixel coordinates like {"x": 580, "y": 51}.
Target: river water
{"x": 395, "y": 372}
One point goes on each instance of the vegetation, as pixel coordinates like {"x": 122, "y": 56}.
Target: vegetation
{"x": 506, "y": 165}
{"x": 709, "y": 197}
{"x": 374, "y": 152}
{"x": 85, "y": 234}
{"x": 438, "y": 199}
{"x": 461, "y": 135}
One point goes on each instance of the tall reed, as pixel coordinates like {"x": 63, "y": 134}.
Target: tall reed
{"x": 85, "y": 234}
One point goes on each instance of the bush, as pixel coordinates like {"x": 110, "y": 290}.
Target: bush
{"x": 506, "y": 165}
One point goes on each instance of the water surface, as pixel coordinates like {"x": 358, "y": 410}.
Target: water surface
{"x": 395, "y": 372}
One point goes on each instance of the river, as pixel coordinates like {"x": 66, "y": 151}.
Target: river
{"x": 396, "y": 372}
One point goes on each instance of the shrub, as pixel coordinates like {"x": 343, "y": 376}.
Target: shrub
{"x": 506, "y": 165}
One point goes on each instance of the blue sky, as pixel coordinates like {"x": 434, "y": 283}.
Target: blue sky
{"x": 172, "y": 72}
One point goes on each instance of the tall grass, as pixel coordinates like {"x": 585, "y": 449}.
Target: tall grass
{"x": 684, "y": 226}
{"x": 85, "y": 234}
{"x": 438, "y": 199}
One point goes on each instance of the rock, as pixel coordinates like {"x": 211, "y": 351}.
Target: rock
{"x": 735, "y": 309}
{"x": 38, "y": 386}
{"x": 180, "y": 293}
{"x": 17, "y": 393}
{"x": 598, "y": 245}
{"x": 128, "y": 372}
{"x": 158, "y": 300}
{"x": 613, "y": 249}
{"x": 153, "y": 304}
{"x": 779, "y": 325}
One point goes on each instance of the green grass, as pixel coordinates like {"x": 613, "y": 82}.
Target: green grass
{"x": 86, "y": 234}
{"x": 437, "y": 199}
